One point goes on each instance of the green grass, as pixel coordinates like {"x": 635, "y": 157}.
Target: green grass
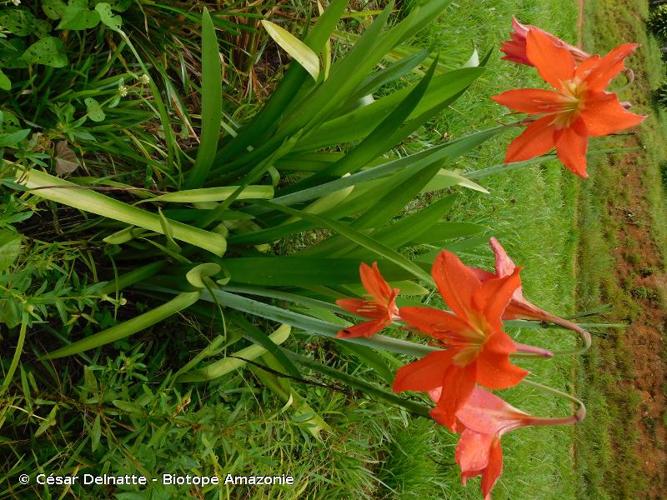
{"x": 609, "y": 445}
{"x": 117, "y": 413}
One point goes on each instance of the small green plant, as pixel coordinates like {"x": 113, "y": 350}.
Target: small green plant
{"x": 660, "y": 95}
{"x": 31, "y": 33}
{"x": 657, "y": 21}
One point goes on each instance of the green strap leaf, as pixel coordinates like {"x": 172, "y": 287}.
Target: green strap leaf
{"x": 59, "y": 190}
{"x": 211, "y": 96}
{"x": 235, "y": 361}
{"x": 382, "y": 138}
{"x": 301, "y": 271}
{"x": 364, "y": 386}
{"x": 442, "y": 152}
{"x": 202, "y": 195}
{"x": 182, "y": 301}
{"x": 361, "y": 239}
{"x": 308, "y": 324}
{"x": 257, "y": 336}
{"x": 358, "y": 123}
{"x": 130, "y": 327}
{"x": 130, "y": 278}
{"x": 287, "y": 89}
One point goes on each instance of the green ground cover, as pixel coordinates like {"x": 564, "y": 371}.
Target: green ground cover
{"x": 236, "y": 425}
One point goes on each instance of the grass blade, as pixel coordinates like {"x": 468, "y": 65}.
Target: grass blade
{"x": 183, "y": 300}
{"x": 305, "y": 416}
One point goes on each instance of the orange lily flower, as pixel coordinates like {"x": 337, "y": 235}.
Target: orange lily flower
{"x": 519, "y": 307}
{"x": 577, "y": 108}
{"x": 381, "y": 308}
{"x": 482, "y": 421}
{"x": 515, "y": 48}
{"x": 477, "y": 348}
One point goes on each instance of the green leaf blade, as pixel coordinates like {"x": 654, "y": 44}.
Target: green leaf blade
{"x": 211, "y": 114}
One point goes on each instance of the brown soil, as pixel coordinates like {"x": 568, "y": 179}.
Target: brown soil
{"x": 639, "y": 271}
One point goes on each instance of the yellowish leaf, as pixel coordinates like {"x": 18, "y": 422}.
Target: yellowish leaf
{"x": 301, "y": 53}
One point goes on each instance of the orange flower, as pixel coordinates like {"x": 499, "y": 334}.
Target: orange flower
{"x": 519, "y": 307}
{"x": 515, "y": 48}
{"x": 482, "y": 421}
{"x": 577, "y": 108}
{"x": 381, "y": 309}
{"x": 477, "y": 349}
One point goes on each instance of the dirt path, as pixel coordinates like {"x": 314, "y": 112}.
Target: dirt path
{"x": 639, "y": 272}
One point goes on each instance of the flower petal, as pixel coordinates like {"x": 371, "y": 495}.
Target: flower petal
{"x": 457, "y": 386}
{"x": 494, "y": 468}
{"x": 494, "y": 369}
{"x": 366, "y": 309}
{"x": 494, "y": 295}
{"x": 482, "y": 275}
{"x": 607, "y": 67}
{"x": 586, "y": 66}
{"x": 522, "y": 309}
{"x": 537, "y": 139}
{"x": 435, "y": 394}
{"x": 571, "y": 148}
{"x": 486, "y": 413}
{"x": 456, "y": 282}
{"x": 472, "y": 452}
{"x": 441, "y": 325}
{"x": 374, "y": 283}
{"x": 533, "y": 101}
{"x": 366, "y": 329}
{"x": 604, "y": 115}
{"x": 350, "y": 305}
{"x": 424, "y": 374}
{"x": 554, "y": 63}
{"x": 504, "y": 264}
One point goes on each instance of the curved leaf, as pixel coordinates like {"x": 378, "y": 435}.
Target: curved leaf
{"x": 301, "y": 53}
